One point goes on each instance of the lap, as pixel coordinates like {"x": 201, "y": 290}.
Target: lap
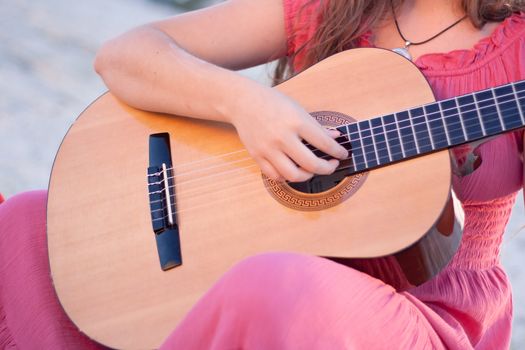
{"x": 273, "y": 300}
{"x": 293, "y": 301}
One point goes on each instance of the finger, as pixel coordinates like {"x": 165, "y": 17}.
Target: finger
{"x": 288, "y": 169}
{"x": 333, "y": 133}
{"x": 314, "y": 134}
{"x": 307, "y": 160}
{"x": 268, "y": 169}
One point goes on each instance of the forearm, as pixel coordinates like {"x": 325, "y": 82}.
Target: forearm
{"x": 146, "y": 69}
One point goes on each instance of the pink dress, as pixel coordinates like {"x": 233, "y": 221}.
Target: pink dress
{"x": 291, "y": 301}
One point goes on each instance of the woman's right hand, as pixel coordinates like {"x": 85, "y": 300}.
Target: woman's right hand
{"x": 272, "y": 127}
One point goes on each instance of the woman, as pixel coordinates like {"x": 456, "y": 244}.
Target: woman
{"x": 460, "y": 46}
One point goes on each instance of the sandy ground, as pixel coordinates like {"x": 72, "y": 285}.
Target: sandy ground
{"x": 46, "y": 79}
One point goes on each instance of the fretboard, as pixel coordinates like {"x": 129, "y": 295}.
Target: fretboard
{"x": 436, "y": 126}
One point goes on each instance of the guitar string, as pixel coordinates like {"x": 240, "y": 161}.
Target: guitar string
{"x": 224, "y": 155}
{"x": 345, "y": 134}
{"x": 207, "y": 177}
{"x": 364, "y": 152}
{"x": 223, "y": 188}
{"x": 475, "y": 104}
{"x": 196, "y": 189}
{"x": 207, "y": 203}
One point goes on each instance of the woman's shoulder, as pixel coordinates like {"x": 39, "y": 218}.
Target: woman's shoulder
{"x": 301, "y": 18}
{"x": 300, "y": 7}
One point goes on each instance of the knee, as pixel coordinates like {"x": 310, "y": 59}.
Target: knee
{"x": 23, "y": 203}
{"x": 256, "y": 276}
{"x": 283, "y": 278}
{"x": 24, "y": 212}
{"x": 285, "y": 266}
{"x": 269, "y": 269}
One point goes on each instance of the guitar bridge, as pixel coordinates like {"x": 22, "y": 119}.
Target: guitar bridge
{"x": 162, "y": 200}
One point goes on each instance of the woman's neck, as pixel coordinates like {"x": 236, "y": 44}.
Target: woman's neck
{"x": 419, "y": 20}
{"x": 435, "y": 13}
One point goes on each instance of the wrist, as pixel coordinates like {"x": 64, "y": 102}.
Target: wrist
{"x": 244, "y": 96}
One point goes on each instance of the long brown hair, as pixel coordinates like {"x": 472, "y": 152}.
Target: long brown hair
{"x": 343, "y": 22}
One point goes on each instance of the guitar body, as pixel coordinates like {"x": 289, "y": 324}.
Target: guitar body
{"x": 103, "y": 255}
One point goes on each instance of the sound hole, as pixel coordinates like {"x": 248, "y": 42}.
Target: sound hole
{"x": 323, "y": 183}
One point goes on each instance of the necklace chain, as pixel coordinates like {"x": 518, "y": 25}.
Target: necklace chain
{"x": 408, "y": 42}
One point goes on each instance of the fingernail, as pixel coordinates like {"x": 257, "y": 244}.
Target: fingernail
{"x": 334, "y": 133}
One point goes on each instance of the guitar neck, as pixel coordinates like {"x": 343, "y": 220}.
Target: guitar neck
{"x": 435, "y": 126}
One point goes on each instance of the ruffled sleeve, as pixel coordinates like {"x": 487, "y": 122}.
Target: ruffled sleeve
{"x": 508, "y": 36}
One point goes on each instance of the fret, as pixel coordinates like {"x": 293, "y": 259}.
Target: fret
{"x": 368, "y": 142}
{"x": 470, "y": 116}
{"x": 461, "y": 120}
{"x": 489, "y": 114}
{"x": 432, "y": 146}
{"x": 436, "y": 126}
{"x": 399, "y": 134}
{"x": 517, "y": 103}
{"x": 507, "y": 107}
{"x": 519, "y": 89}
{"x": 520, "y": 86}
{"x": 479, "y": 116}
{"x": 352, "y": 156}
{"x": 444, "y": 124}
{"x": 386, "y": 139}
{"x": 393, "y": 137}
{"x": 407, "y": 134}
{"x": 498, "y": 111}
{"x": 373, "y": 140}
{"x": 358, "y": 159}
{"x": 380, "y": 141}
{"x": 345, "y": 141}
{"x": 413, "y": 132}
{"x": 520, "y": 92}
{"x": 420, "y": 126}
{"x": 456, "y": 134}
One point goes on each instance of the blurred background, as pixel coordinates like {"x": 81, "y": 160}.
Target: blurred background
{"x": 47, "y": 49}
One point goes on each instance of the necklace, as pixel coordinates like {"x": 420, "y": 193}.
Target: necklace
{"x": 403, "y": 51}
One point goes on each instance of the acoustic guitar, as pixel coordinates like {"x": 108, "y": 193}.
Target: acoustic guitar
{"x": 146, "y": 211}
